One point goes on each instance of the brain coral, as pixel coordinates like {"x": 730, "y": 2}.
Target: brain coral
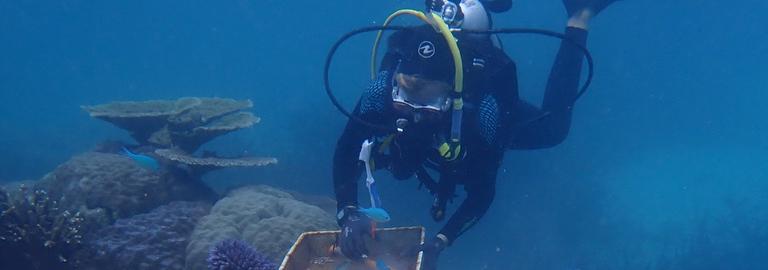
{"x": 265, "y": 217}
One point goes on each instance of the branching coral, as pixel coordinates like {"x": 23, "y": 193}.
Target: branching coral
{"x": 37, "y": 233}
{"x": 237, "y": 255}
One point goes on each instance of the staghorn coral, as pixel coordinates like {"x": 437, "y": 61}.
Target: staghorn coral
{"x": 267, "y": 218}
{"x": 117, "y": 185}
{"x": 186, "y": 123}
{"x": 37, "y": 233}
{"x": 155, "y": 240}
{"x": 237, "y": 255}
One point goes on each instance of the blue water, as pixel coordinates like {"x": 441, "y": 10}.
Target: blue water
{"x": 664, "y": 168}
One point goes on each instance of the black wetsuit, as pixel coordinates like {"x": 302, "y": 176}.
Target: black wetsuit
{"x": 495, "y": 119}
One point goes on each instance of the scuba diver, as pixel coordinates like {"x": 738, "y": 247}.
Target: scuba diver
{"x": 458, "y": 135}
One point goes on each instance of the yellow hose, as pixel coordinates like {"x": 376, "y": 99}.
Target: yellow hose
{"x": 441, "y": 27}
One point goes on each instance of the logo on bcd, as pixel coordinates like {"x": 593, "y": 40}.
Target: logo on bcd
{"x": 426, "y": 49}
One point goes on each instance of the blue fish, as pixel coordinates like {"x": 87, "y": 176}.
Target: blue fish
{"x": 143, "y": 161}
{"x": 378, "y": 215}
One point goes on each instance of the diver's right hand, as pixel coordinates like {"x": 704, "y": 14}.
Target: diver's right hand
{"x": 355, "y": 228}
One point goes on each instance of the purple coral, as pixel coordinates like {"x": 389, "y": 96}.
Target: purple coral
{"x": 237, "y": 255}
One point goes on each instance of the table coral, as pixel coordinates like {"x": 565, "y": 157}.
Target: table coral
{"x": 185, "y": 123}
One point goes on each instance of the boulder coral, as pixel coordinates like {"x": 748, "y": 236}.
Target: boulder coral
{"x": 118, "y": 186}
{"x": 265, "y": 217}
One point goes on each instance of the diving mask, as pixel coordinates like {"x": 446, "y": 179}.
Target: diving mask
{"x": 412, "y": 94}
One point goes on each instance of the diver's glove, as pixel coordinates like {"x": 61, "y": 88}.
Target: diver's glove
{"x": 431, "y": 249}
{"x": 573, "y": 6}
{"x": 355, "y": 228}
{"x": 448, "y": 9}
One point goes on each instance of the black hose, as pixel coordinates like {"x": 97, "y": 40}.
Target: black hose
{"x": 387, "y": 128}
{"x": 327, "y": 83}
{"x": 587, "y": 55}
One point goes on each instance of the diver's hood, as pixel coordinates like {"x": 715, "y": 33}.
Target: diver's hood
{"x": 423, "y": 52}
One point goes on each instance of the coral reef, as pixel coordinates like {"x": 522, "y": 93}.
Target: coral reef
{"x": 237, "y": 255}
{"x": 186, "y": 123}
{"x": 36, "y": 232}
{"x": 119, "y": 186}
{"x": 156, "y": 240}
{"x": 201, "y": 165}
{"x": 174, "y": 129}
{"x": 265, "y": 217}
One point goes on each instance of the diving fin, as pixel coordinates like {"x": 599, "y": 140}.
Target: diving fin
{"x": 572, "y": 6}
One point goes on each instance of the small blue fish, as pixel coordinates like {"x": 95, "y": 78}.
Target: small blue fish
{"x": 378, "y": 215}
{"x": 143, "y": 161}
{"x": 380, "y": 265}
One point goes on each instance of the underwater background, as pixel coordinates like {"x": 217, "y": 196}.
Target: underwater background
{"x": 664, "y": 167}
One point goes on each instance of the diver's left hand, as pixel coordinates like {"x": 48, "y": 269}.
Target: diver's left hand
{"x": 432, "y": 249}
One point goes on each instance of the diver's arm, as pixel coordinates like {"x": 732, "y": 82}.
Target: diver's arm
{"x": 346, "y": 166}
{"x": 478, "y": 200}
{"x": 550, "y": 125}
{"x": 371, "y": 108}
{"x": 482, "y": 166}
